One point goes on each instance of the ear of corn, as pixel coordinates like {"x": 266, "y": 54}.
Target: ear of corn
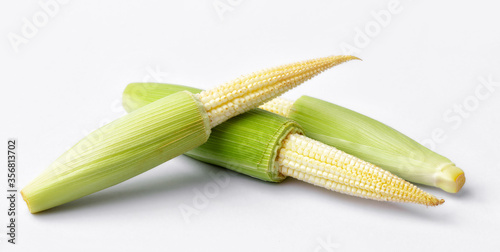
{"x": 270, "y": 147}
{"x": 250, "y": 91}
{"x": 158, "y": 132}
{"x": 121, "y": 150}
{"x": 248, "y": 143}
{"x": 345, "y": 129}
{"x": 322, "y": 165}
{"x": 375, "y": 142}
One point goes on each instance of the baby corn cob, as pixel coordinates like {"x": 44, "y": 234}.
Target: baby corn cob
{"x": 248, "y": 92}
{"x": 322, "y": 165}
{"x": 372, "y": 141}
{"x": 345, "y": 129}
{"x": 271, "y": 147}
{"x": 158, "y": 132}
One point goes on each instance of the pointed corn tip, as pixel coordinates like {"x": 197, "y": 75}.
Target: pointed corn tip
{"x": 436, "y": 202}
{"x": 350, "y": 57}
{"x": 432, "y": 201}
{"x": 339, "y": 59}
{"x": 249, "y": 91}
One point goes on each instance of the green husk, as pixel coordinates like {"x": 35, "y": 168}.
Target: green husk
{"x": 346, "y": 130}
{"x": 137, "y": 95}
{"x": 247, "y": 143}
{"x": 376, "y": 143}
{"x": 121, "y": 150}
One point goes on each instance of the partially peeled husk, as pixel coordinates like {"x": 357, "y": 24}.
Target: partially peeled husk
{"x": 247, "y": 143}
{"x": 347, "y": 130}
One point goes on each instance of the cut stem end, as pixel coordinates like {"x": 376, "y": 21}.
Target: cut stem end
{"x": 451, "y": 178}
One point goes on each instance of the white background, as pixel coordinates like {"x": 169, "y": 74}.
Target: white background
{"x": 66, "y": 79}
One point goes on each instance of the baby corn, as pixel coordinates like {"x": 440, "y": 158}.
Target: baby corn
{"x": 345, "y": 129}
{"x": 158, "y": 132}
{"x": 371, "y": 140}
{"x": 271, "y": 147}
{"x": 322, "y": 165}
